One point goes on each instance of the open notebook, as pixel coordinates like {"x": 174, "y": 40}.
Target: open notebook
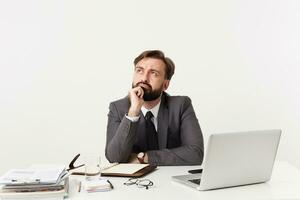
{"x": 128, "y": 170}
{"x": 121, "y": 170}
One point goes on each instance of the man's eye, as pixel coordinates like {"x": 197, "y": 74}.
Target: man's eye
{"x": 155, "y": 73}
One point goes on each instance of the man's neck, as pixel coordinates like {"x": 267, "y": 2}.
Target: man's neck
{"x": 150, "y": 104}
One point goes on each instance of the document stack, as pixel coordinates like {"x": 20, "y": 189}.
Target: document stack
{"x": 96, "y": 185}
{"x": 34, "y": 183}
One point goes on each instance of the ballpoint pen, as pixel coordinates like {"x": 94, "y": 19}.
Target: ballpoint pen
{"x": 79, "y": 188}
{"x": 111, "y": 185}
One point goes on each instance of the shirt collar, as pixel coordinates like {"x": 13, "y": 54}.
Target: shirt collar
{"x": 154, "y": 110}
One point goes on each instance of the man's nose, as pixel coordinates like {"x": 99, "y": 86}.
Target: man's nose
{"x": 145, "y": 77}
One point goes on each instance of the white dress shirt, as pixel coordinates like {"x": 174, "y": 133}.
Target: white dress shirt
{"x": 154, "y": 111}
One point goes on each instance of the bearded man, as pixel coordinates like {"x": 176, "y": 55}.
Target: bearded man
{"x": 150, "y": 126}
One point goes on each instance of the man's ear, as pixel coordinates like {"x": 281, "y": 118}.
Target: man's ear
{"x": 166, "y": 84}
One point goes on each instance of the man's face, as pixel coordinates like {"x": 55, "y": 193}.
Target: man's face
{"x": 149, "y": 73}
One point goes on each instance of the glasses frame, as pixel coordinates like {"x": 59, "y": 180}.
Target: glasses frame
{"x": 141, "y": 183}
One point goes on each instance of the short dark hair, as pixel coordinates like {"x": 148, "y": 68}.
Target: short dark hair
{"x": 170, "y": 66}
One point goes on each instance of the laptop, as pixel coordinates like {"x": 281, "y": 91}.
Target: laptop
{"x": 235, "y": 159}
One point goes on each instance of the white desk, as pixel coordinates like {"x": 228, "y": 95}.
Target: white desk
{"x": 285, "y": 184}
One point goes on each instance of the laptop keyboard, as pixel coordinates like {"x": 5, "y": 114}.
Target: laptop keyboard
{"x": 196, "y": 181}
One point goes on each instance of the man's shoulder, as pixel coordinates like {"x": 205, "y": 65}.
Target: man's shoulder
{"x": 178, "y": 105}
{"x": 121, "y": 105}
{"x": 177, "y": 99}
{"x": 121, "y": 102}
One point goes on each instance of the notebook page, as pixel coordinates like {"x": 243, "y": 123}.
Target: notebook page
{"x": 125, "y": 168}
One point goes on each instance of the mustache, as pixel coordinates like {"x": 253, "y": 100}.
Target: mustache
{"x": 145, "y": 83}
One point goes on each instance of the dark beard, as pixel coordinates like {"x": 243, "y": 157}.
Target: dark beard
{"x": 149, "y": 94}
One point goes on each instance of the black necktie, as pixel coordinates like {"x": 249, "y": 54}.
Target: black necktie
{"x": 151, "y": 134}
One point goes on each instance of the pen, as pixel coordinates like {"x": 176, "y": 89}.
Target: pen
{"x": 111, "y": 185}
{"x": 79, "y": 188}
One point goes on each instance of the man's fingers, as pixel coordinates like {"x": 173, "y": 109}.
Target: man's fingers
{"x": 141, "y": 92}
{"x": 138, "y": 91}
{"x": 137, "y": 101}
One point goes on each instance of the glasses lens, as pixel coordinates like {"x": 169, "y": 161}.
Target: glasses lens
{"x": 145, "y": 183}
{"x": 131, "y": 181}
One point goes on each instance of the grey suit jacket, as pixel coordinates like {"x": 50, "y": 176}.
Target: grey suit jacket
{"x": 179, "y": 134}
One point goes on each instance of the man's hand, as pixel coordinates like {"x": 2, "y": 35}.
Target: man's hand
{"x": 133, "y": 158}
{"x": 136, "y": 98}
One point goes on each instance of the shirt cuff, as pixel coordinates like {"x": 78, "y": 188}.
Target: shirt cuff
{"x": 133, "y": 119}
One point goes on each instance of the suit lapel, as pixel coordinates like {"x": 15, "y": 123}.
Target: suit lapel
{"x": 163, "y": 123}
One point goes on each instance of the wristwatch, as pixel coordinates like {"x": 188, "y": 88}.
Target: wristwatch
{"x": 141, "y": 157}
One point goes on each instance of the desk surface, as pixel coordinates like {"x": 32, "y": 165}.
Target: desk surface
{"x": 285, "y": 184}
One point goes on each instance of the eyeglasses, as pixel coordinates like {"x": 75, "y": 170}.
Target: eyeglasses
{"x": 141, "y": 183}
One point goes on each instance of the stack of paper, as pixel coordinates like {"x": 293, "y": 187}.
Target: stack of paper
{"x": 33, "y": 176}
{"x": 45, "y": 183}
{"x": 96, "y": 185}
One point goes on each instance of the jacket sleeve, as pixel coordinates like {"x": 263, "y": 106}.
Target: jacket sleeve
{"x": 191, "y": 150}
{"x": 120, "y": 136}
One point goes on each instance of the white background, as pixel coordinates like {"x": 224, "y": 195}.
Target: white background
{"x": 62, "y": 62}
